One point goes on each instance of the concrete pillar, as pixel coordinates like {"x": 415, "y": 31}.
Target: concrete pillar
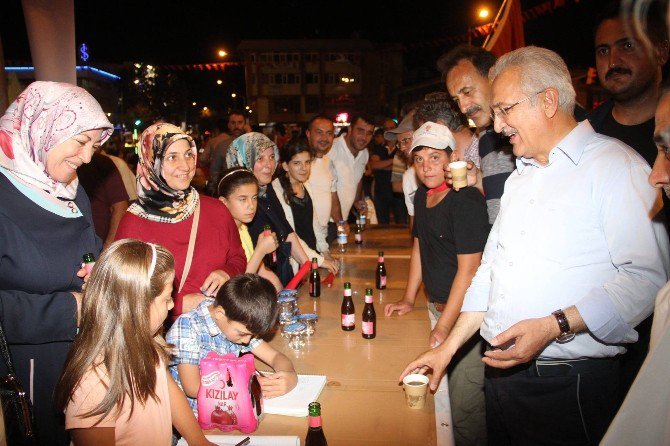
{"x": 50, "y": 26}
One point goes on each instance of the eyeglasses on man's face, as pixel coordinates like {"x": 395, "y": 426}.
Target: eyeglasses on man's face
{"x": 502, "y": 111}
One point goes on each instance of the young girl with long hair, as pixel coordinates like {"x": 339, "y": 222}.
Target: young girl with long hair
{"x": 238, "y": 190}
{"x": 293, "y": 191}
{"x": 115, "y": 388}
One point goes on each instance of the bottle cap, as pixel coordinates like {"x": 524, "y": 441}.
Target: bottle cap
{"x": 347, "y": 285}
{"x": 314, "y": 409}
{"x": 368, "y": 291}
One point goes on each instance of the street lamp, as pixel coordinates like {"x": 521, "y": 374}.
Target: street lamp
{"x": 482, "y": 14}
{"x": 234, "y": 95}
{"x": 222, "y": 53}
{"x": 219, "y": 82}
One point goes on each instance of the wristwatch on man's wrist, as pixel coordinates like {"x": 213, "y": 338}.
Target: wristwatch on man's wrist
{"x": 567, "y": 334}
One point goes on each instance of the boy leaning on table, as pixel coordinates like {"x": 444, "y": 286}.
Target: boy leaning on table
{"x": 245, "y": 308}
{"x": 450, "y": 232}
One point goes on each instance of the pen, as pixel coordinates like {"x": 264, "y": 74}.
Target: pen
{"x": 244, "y": 442}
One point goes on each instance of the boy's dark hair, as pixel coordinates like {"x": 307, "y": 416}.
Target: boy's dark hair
{"x": 250, "y": 300}
{"x": 482, "y": 60}
{"x": 233, "y": 178}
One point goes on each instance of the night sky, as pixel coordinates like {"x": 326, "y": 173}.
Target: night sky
{"x": 154, "y": 32}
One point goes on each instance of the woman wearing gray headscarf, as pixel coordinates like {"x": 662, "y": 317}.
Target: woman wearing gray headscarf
{"x": 259, "y": 154}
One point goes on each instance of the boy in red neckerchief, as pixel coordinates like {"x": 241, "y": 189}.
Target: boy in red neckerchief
{"x": 450, "y": 232}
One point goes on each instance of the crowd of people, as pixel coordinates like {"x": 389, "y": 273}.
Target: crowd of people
{"x": 546, "y": 275}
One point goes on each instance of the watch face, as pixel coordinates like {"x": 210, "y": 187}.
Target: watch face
{"x": 565, "y": 337}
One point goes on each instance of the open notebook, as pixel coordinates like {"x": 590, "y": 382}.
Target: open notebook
{"x": 295, "y": 402}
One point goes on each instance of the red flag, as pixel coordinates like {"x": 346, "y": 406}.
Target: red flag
{"x": 508, "y": 29}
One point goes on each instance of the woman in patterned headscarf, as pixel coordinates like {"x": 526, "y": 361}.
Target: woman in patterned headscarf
{"x": 45, "y": 228}
{"x": 166, "y": 209}
{"x": 258, "y": 153}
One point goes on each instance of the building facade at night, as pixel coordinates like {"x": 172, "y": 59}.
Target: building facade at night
{"x": 293, "y": 80}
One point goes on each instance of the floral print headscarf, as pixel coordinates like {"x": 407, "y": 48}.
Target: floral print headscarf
{"x": 43, "y": 116}
{"x": 156, "y": 200}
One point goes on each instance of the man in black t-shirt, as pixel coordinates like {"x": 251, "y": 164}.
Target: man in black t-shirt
{"x": 450, "y": 232}
{"x": 631, "y": 73}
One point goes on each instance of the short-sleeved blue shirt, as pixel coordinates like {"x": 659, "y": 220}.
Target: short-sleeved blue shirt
{"x": 194, "y": 335}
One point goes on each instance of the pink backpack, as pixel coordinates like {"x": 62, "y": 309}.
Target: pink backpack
{"x": 230, "y": 396}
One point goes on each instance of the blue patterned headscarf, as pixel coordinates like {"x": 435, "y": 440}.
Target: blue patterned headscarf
{"x": 245, "y": 150}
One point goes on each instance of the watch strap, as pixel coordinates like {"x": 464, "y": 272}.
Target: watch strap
{"x": 563, "y": 323}
{"x": 567, "y": 334}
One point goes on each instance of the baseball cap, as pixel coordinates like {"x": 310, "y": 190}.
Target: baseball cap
{"x": 433, "y": 135}
{"x": 406, "y": 125}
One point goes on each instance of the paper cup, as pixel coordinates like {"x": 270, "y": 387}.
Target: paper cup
{"x": 416, "y": 387}
{"x": 459, "y": 173}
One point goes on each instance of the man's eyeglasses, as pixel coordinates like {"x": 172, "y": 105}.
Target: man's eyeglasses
{"x": 504, "y": 110}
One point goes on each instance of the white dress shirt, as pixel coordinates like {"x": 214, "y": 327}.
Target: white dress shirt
{"x": 322, "y": 183}
{"x": 577, "y": 231}
{"x": 348, "y": 172}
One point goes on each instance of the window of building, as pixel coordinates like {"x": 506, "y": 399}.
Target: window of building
{"x": 311, "y": 78}
{"x": 285, "y": 104}
{"x": 311, "y": 57}
{"x": 312, "y": 104}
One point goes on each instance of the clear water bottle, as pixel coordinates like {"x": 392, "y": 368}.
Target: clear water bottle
{"x": 341, "y": 237}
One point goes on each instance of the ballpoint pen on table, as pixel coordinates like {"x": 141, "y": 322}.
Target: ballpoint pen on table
{"x": 244, "y": 442}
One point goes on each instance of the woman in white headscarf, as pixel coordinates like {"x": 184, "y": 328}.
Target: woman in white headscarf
{"x": 45, "y": 228}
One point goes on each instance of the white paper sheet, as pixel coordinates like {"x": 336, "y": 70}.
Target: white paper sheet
{"x": 295, "y": 402}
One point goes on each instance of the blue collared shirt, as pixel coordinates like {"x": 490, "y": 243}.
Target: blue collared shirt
{"x": 194, "y": 334}
{"x": 579, "y": 231}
